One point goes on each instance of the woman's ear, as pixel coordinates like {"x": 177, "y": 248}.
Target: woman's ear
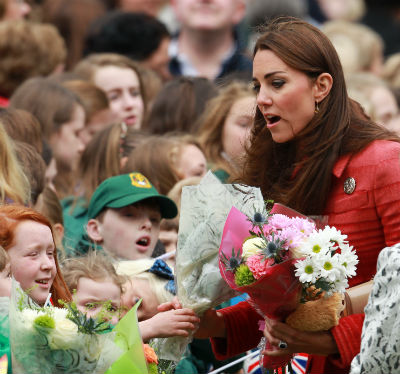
{"x": 322, "y": 86}
{"x": 93, "y": 228}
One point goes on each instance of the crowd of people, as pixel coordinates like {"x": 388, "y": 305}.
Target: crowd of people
{"x": 109, "y": 108}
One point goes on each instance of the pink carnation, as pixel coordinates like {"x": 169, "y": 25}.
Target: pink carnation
{"x": 258, "y": 266}
{"x": 279, "y": 221}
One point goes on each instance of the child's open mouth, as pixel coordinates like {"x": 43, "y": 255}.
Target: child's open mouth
{"x": 143, "y": 243}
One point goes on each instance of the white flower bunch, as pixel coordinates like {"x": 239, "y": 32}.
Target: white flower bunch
{"x": 327, "y": 261}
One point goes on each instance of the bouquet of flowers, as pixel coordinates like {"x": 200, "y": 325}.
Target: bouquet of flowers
{"x": 284, "y": 262}
{"x": 64, "y": 340}
{"x": 204, "y": 209}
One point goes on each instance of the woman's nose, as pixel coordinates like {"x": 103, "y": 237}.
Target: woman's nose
{"x": 264, "y": 98}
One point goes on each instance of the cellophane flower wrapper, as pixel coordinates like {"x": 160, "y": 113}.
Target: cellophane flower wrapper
{"x": 61, "y": 349}
{"x": 276, "y": 294}
{"x": 204, "y": 209}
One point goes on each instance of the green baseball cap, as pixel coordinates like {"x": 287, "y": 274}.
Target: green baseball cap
{"x": 127, "y": 189}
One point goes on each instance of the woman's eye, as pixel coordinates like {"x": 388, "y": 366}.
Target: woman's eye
{"x": 278, "y": 83}
{"x": 256, "y": 88}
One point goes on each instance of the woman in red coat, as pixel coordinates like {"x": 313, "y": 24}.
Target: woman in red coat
{"x": 314, "y": 150}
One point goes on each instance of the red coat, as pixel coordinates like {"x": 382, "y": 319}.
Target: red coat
{"x": 370, "y": 216}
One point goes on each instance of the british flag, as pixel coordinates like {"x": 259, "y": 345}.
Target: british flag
{"x": 299, "y": 364}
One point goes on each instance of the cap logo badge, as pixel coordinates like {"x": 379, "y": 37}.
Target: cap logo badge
{"x": 139, "y": 180}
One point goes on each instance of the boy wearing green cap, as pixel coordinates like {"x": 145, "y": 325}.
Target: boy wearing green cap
{"x": 124, "y": 216}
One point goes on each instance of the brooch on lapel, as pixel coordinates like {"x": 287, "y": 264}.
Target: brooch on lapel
{"x": 349, "y": 185}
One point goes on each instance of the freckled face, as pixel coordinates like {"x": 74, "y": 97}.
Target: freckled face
{"x": 285, "y": 96}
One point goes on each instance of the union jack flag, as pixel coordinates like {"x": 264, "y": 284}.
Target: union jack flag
{"x": 299, "y": 364}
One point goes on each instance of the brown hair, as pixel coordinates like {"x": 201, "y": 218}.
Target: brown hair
{"x": 178, "y": 104}
{"x": 93, "y": 98}
{"x": 94, "y": 265}
{"x": 14, "y": 184}
{"x": 23, "y": 126}
{"x": 27, "y": 50}
{"x": 10, "y": 217}
{"x": 157, "y": 159}
{"x": 101, "y": 158}
{"x": 340, "y": 127}
{"x": 4, "y": 258}
{"x": 34, "y": 167}
{"x": 211, "y": 123}
{"x": 50, "y": 206}
{"x": 50, "y": 102}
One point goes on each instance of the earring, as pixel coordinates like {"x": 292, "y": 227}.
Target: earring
{"x": 316, "y": 110}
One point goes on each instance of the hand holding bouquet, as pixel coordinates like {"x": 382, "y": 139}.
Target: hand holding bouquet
{"x": 283, "y": 263}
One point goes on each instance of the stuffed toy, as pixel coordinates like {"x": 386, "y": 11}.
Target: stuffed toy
{"x": 317, "y": 315}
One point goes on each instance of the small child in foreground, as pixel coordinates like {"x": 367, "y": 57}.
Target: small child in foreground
{"x": 98, "y": 289}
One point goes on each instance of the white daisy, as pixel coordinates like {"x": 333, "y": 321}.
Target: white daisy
{"x": 306, "y": 270}
{"x": 315, "y": 244}
{"x": 334, "y": 235}
{"x": 330, "y": 267}
{"x": 340, "y": 285}
{"x": 349, "y": 260}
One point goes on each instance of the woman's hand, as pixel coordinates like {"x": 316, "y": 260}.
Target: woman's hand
{"x": 318, "y": 343}
{"x": 212, "y": 325}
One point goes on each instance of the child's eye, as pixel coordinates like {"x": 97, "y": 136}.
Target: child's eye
{"x": 90, "y": 306}
{"x": 112, "y": 308}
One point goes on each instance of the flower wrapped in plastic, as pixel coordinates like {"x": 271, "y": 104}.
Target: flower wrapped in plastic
{"x": 203, "y": 212}
{"x": 63, "y": 340}
{"x": 284, "y": 263}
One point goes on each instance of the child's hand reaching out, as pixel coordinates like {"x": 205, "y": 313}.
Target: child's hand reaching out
{"x": 174, "y": 322}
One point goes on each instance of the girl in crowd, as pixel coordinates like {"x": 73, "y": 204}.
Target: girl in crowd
{"x": 165, "y": 160}
{"x": 98, "y": 113}
{"x": 314, "y": 150}
{"x": 62, "y": 117}
{"x": 119, "y": 77}
{"x": 27, "y": 237}
{"x": 224, "y": 128}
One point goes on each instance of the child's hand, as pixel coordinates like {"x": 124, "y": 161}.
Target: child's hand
{"x": 174, "y": 322}
{"x": 173, "y": 304}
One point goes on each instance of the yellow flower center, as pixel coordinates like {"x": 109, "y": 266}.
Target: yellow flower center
{"x": 308, "y": 269}
{"x": 328, "y": 266}
{"x": 316, "y": 248}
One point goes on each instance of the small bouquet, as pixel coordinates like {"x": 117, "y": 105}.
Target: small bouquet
{"x": 62, "y": 340}
{"x": 284, "y": 263}
{"x": 204, "y": 210}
